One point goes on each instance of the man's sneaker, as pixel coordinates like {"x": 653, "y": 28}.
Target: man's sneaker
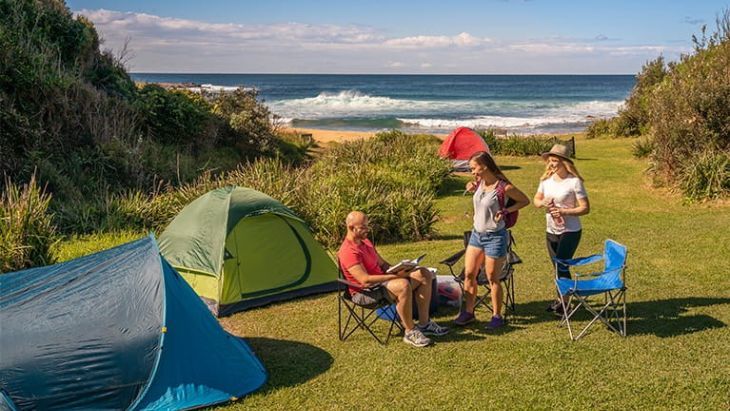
{"x": 433, "y": 329}
{"x": 496, "y": 322}
{"x": 464, "y": 318}
{"x": 416, "y": 338}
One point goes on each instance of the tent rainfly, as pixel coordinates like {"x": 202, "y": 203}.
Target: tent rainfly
{"x": 239, "y": 248}
{"x": 460, "y": 145}
{"x": 119, "y": 329}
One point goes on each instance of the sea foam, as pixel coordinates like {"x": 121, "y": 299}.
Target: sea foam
{"x": 442, "y": 114}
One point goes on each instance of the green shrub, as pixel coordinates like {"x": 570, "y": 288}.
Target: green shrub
{"x": 633, "y": 118}
{"x": 392, "y": 177}
{"x": 172, "y": 117}
{"x": 490, "y": 137}
{"x": 26, "y": 229}
{"x": 690, "y": 117}
{"x": 399, "y": 207}
{"x": 642, "y": 147}
{"x": 250, "y": 128}
{"x": 71, "y": 112}
{"x": 706, "y": 176}
{"x": 517, "y": 145}
{"x": 602, "y": 127}
{"x": 413, "y": 156}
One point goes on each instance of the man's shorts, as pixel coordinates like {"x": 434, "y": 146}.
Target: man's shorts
{"x": 372, "y": 296}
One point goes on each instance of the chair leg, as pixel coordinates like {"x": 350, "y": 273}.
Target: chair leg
{"x": 566, "y": 315}
{"x": 623, "y": 304}
{"x": 358, "y": 318}
{"x": 606, "y": 314}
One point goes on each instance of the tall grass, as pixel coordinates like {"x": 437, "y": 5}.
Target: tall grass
{"x": 393, "y": 177}
{"x": 707, "y": 175}
{"x": 26, "y": 228}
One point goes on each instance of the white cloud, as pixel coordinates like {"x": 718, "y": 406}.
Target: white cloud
{"x": 168, "y": 44}
{"x": 460, "y": 40}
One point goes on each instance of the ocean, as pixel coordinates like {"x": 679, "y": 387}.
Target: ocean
{"x": 522, "y": 104}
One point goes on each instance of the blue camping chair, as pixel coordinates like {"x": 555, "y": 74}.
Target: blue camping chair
{"x": 609, "y": 283}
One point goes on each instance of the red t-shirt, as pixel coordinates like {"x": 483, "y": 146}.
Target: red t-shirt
{"x": 352, "y": 254}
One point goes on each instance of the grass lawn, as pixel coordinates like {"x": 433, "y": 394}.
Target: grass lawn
{"x": 676, "y": 355}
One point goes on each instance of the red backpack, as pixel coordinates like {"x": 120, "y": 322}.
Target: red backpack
{"x": 511, "y": 218}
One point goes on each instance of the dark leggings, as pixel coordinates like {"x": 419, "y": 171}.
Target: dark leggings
{"x": 563, "y": 246}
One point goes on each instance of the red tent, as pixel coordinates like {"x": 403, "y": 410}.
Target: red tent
{"x": 461, "y": 144}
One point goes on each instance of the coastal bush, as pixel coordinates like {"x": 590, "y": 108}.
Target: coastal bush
{"x": 293, "y": 147}
{"x": 397, "y": 210}
{"x": 690, "y": 118}
{"x": 602, "y": 127}
{"x": 642, "y": 147}
{"x": 27, "y": 232}
{"x": 393, "y": 177}
{"x": 70, "y": 113}
{"x": 523, "y": 146}
{"x": 411, "y": 155}
{"x": 706, "y": 176}
{"x": 490, "y": 137}
{"x": 173, "y": 117}
{"x": 249, "y": 121}
{"x": 633, "y": 118}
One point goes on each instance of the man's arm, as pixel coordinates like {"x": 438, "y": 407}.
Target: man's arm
{"x": 384, "y": 265}
{"x": 367, "y": 280}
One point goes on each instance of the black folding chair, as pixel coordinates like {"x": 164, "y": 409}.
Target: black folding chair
{"x": 506, "y": 276}
{"x": 352, "y": 316}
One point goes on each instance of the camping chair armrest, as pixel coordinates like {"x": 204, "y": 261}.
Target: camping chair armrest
{"x": 356, "y": 286}
{"x": 600, "y": 273}
{"x": 453, "y": 259}
{"x": 596, "y": 274}
{"x": 578, "y": 261}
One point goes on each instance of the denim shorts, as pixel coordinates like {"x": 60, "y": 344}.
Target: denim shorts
{"x": 493, "y": 243}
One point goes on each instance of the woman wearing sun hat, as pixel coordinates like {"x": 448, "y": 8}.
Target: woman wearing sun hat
{"x": 562, "y": 194}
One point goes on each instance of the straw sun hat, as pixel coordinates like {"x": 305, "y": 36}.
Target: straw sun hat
{"x": 558, "y": 150}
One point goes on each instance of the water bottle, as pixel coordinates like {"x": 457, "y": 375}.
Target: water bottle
{"x": 559, "y": 221}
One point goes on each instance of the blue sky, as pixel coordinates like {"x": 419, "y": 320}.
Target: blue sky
{"x": 428, "y": 37}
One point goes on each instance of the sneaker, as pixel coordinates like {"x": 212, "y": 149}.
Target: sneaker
{"x": 433, "y": 329}
{"x": 496, "y": 322}
{"x": 416, "y": 338}
{"x": 464, "y": 318}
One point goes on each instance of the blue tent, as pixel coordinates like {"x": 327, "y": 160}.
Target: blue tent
{"x": 119, "y": 329}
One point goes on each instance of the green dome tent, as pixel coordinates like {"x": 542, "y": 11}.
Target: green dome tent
{"x": 239, "y": 248}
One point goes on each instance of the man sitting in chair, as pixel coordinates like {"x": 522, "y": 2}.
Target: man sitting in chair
{"x": 362, "y": 265}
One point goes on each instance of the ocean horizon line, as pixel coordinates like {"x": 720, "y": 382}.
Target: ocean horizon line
{"x": 386, "y": 74}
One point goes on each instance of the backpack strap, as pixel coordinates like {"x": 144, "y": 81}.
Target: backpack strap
{"x": 500, "y": 194}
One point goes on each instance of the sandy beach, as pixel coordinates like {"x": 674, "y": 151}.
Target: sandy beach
{"x": 328, "y": 136}
{"x": 325, "y": 137}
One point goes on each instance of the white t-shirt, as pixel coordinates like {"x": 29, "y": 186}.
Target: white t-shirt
{"x": 565, "y": 193}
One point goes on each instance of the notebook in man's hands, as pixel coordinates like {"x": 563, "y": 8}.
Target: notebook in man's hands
{"x": 405, "y": 264}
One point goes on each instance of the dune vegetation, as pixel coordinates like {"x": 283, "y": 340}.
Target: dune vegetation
{"x": 680, "y": 113}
